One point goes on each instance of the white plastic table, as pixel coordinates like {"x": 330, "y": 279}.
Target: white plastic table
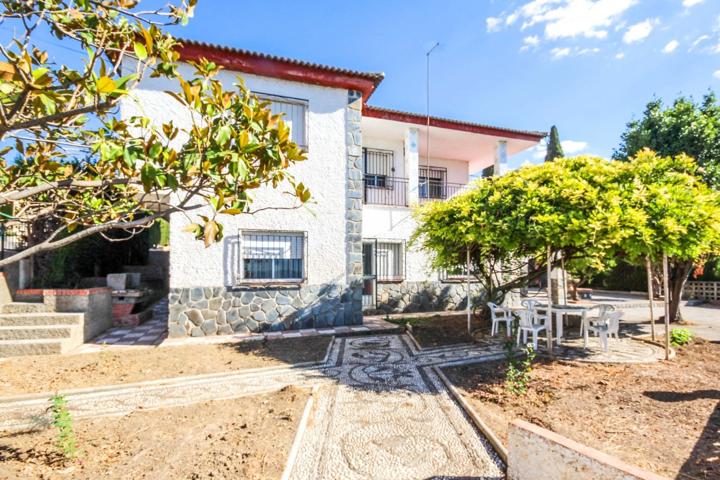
{"x": 561, "y": 311}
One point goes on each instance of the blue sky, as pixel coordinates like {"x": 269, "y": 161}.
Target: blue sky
{"x": 588, "y": 66}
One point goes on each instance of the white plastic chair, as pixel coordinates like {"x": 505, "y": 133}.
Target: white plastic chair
{"x": 609, "y": 326}
{"x": 532, "y": 305}
{"x": 603, "y": 310}
{"x": 500, "y": 314}
{"x": 527, "y": 324}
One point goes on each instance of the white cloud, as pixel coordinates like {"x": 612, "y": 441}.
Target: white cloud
{"x": 638, "y": 32}
{"x": 620, "y": 55}
{"x": 530, "y": 42}
{"x": 572, "y": 18}
{"x": 559, "y": 53}
{"x": 586, "y": 51}
{"x": 562, "y": 52}
{"x": 716, "y": 74}
{"x": 671, "y": 46}
{"x": 571, "y": 147}
{"x": 699, "y": 40}
{"x": 493, "y": 24}
{"x": 691, "y": 3}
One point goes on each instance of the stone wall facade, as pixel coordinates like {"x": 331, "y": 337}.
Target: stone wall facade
{"x": 201, "y": 311}
{"x": 354, "y": 204}
{"x": 407, "y": 297}
{"x": 222, "y": 311}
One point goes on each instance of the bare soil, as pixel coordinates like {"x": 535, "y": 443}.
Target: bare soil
{"x": 247, "y": 438}
{"x": 664, "y": 417}
{"x": 443, "y": 330}
{"x": 51, "y": 373}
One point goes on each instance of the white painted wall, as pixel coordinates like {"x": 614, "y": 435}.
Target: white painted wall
{"x": 457, "y": 170}
{"x": 324, "y": 173}
{"x": 396, "y": 223}
{"x": 395, "y": 145}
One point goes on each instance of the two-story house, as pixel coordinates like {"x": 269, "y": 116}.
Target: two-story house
{"x": 347, "y": 252}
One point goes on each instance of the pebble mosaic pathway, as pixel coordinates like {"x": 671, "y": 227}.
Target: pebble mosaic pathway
{"x": 380, "y": 412}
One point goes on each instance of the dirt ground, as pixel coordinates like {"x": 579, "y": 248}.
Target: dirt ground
{"x": 664, "y": 417}
{"x": 247, "y": 438}
{"x": 51, "y": 373}
{"x": 442, "y": 330}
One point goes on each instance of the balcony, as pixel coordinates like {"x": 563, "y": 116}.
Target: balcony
{"x": 437, "y": 190}
{"x": 393, "y": 191}
{"x": 384, "y": 190}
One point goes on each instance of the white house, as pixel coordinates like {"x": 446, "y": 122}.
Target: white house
{"x": 367, "y": 168}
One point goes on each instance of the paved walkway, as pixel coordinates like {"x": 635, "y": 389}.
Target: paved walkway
{"x": 154, "y": 332}
{"x": 381, "y": 411}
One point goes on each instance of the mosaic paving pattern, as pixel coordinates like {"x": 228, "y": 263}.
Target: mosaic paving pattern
{"x": 388, "y": 416}
{"x": 381, "y": 411}
{"x": 623, "y": 350}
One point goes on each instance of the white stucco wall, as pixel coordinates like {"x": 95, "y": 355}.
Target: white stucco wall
{"x": 396, "y": 223}
{"x": 324, "y": 173}
{"x": 394, "y": 145}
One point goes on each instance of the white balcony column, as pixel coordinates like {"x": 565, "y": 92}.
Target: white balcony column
{"x": 412, "y": 159}
{"x": 501, "y": 159}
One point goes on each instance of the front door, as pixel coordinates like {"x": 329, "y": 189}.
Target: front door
{"x": 369, "y": 274}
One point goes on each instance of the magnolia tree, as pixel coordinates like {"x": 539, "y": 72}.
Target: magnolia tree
{"x": 71, "y": 167}
{"x": 587, "y": 211}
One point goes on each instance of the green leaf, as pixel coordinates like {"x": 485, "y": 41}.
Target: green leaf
{"x": 140, "y": 51}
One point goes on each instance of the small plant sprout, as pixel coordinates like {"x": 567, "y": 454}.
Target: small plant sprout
{"x": 680, "y": 336}
{"x": 518, "y": 373}
{"x": 62, "y": 421}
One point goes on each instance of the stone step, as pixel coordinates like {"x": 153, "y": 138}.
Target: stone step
{"x": 23, "y": 307}
{"x": 60, "y": 332}
{"x": 39, "y": 319}
{"x": 17, "y": 348}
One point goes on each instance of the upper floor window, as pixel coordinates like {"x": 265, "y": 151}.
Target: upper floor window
{"x": 269, "y": 256}
{"x": 378, "y": 167}
{"x": 295, "y": 112}
{"x": 432, "y": 182}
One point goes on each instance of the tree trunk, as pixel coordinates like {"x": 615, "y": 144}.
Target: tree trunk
{"x": 679, "y": 272}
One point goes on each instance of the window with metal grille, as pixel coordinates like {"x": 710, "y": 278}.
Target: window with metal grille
{"x": 378, "y": 166}
{"x": 432, "y": 182}
{"x": 294, "y": 112}
{"x": 267, "y": 256}
{"x": 390, "y": 261}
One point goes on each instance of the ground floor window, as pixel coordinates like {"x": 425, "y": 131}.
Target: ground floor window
{"x": 268, "y": 256}
{"x": 390, "y": 261}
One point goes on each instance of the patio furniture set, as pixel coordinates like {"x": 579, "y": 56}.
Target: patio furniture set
{"x": 601, "y": 320}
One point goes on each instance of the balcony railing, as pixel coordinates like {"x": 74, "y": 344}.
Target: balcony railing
{"x": 434, "y": 190}
{"x": 384, "y": 190}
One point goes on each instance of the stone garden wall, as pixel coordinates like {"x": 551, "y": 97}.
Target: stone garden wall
{"x": 423, "y": 296}
{"x": 222, "y": 311}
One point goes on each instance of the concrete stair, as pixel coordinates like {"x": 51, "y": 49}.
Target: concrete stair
{"x": 39, "y": 333}
{"x": 23, "y": 307}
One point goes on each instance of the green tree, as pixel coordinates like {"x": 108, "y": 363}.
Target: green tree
{"x": 590, "y": 210}
{"x": 84, "y": 170}
{"x": 670, "y": 210}
{"x": 554, "y": 146}
{"x": 685, "y": 127}
{"x": 570, "y": 205}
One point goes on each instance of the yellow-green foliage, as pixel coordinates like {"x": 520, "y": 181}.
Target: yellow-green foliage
{"x": 589, "y": 208}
